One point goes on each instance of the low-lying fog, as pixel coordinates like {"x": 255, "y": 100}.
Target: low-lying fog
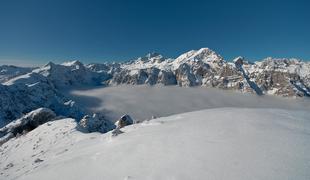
{"x": 143, "y": 102}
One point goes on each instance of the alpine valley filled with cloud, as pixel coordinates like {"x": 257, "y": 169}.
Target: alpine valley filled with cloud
{"x": 197, "y": 116}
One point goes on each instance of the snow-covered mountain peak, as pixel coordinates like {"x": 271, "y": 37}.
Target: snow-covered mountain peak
{"x": 204, "y": 55}
{"x": 46, "y": 69}
{"x": 50, "y": 64}
{"x": 200, "y": 54}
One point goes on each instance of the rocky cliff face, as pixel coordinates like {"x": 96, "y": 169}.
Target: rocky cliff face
{"x": 283, "y": 77}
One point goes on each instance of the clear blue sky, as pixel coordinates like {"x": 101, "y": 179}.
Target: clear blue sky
{"x": 37, "y": 31}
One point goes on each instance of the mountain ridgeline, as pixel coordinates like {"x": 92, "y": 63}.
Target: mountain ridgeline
{"x": 281, "y": 77}
{"x": 26, "y": 89}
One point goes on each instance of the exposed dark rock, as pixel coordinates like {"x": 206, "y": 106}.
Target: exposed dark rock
{"x": 125, "y": 120}
{"x": 25, "y": 124}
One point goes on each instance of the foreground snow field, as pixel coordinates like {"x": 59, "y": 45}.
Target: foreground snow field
{"x": 143, "y": 102}
{"x": 220, "y": 143}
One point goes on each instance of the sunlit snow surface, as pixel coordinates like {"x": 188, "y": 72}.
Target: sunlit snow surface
{"x": 143, "y": 102}
{"x": 223, "y": 143}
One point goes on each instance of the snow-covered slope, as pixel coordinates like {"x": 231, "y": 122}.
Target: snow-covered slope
{"x": 228, "y": 143}
{"x": 28, "y": 92}
{"x": 8, "y": 72}
{"x": 42, "y": 87}
{"x": 26, "y": 123}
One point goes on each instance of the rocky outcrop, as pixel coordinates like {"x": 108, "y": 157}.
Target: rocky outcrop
{"x": 125, "y": 120}
{"x": 95, "y": 123}
{"x": 26, "y": 123}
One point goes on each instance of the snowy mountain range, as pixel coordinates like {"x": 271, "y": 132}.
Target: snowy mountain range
{"x": 26, "y": 89}
{"x": 32, "y": 99}
{"x": 203, "y": 67}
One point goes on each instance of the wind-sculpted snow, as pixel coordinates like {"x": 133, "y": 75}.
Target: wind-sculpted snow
{"x": 225, "y": 143}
